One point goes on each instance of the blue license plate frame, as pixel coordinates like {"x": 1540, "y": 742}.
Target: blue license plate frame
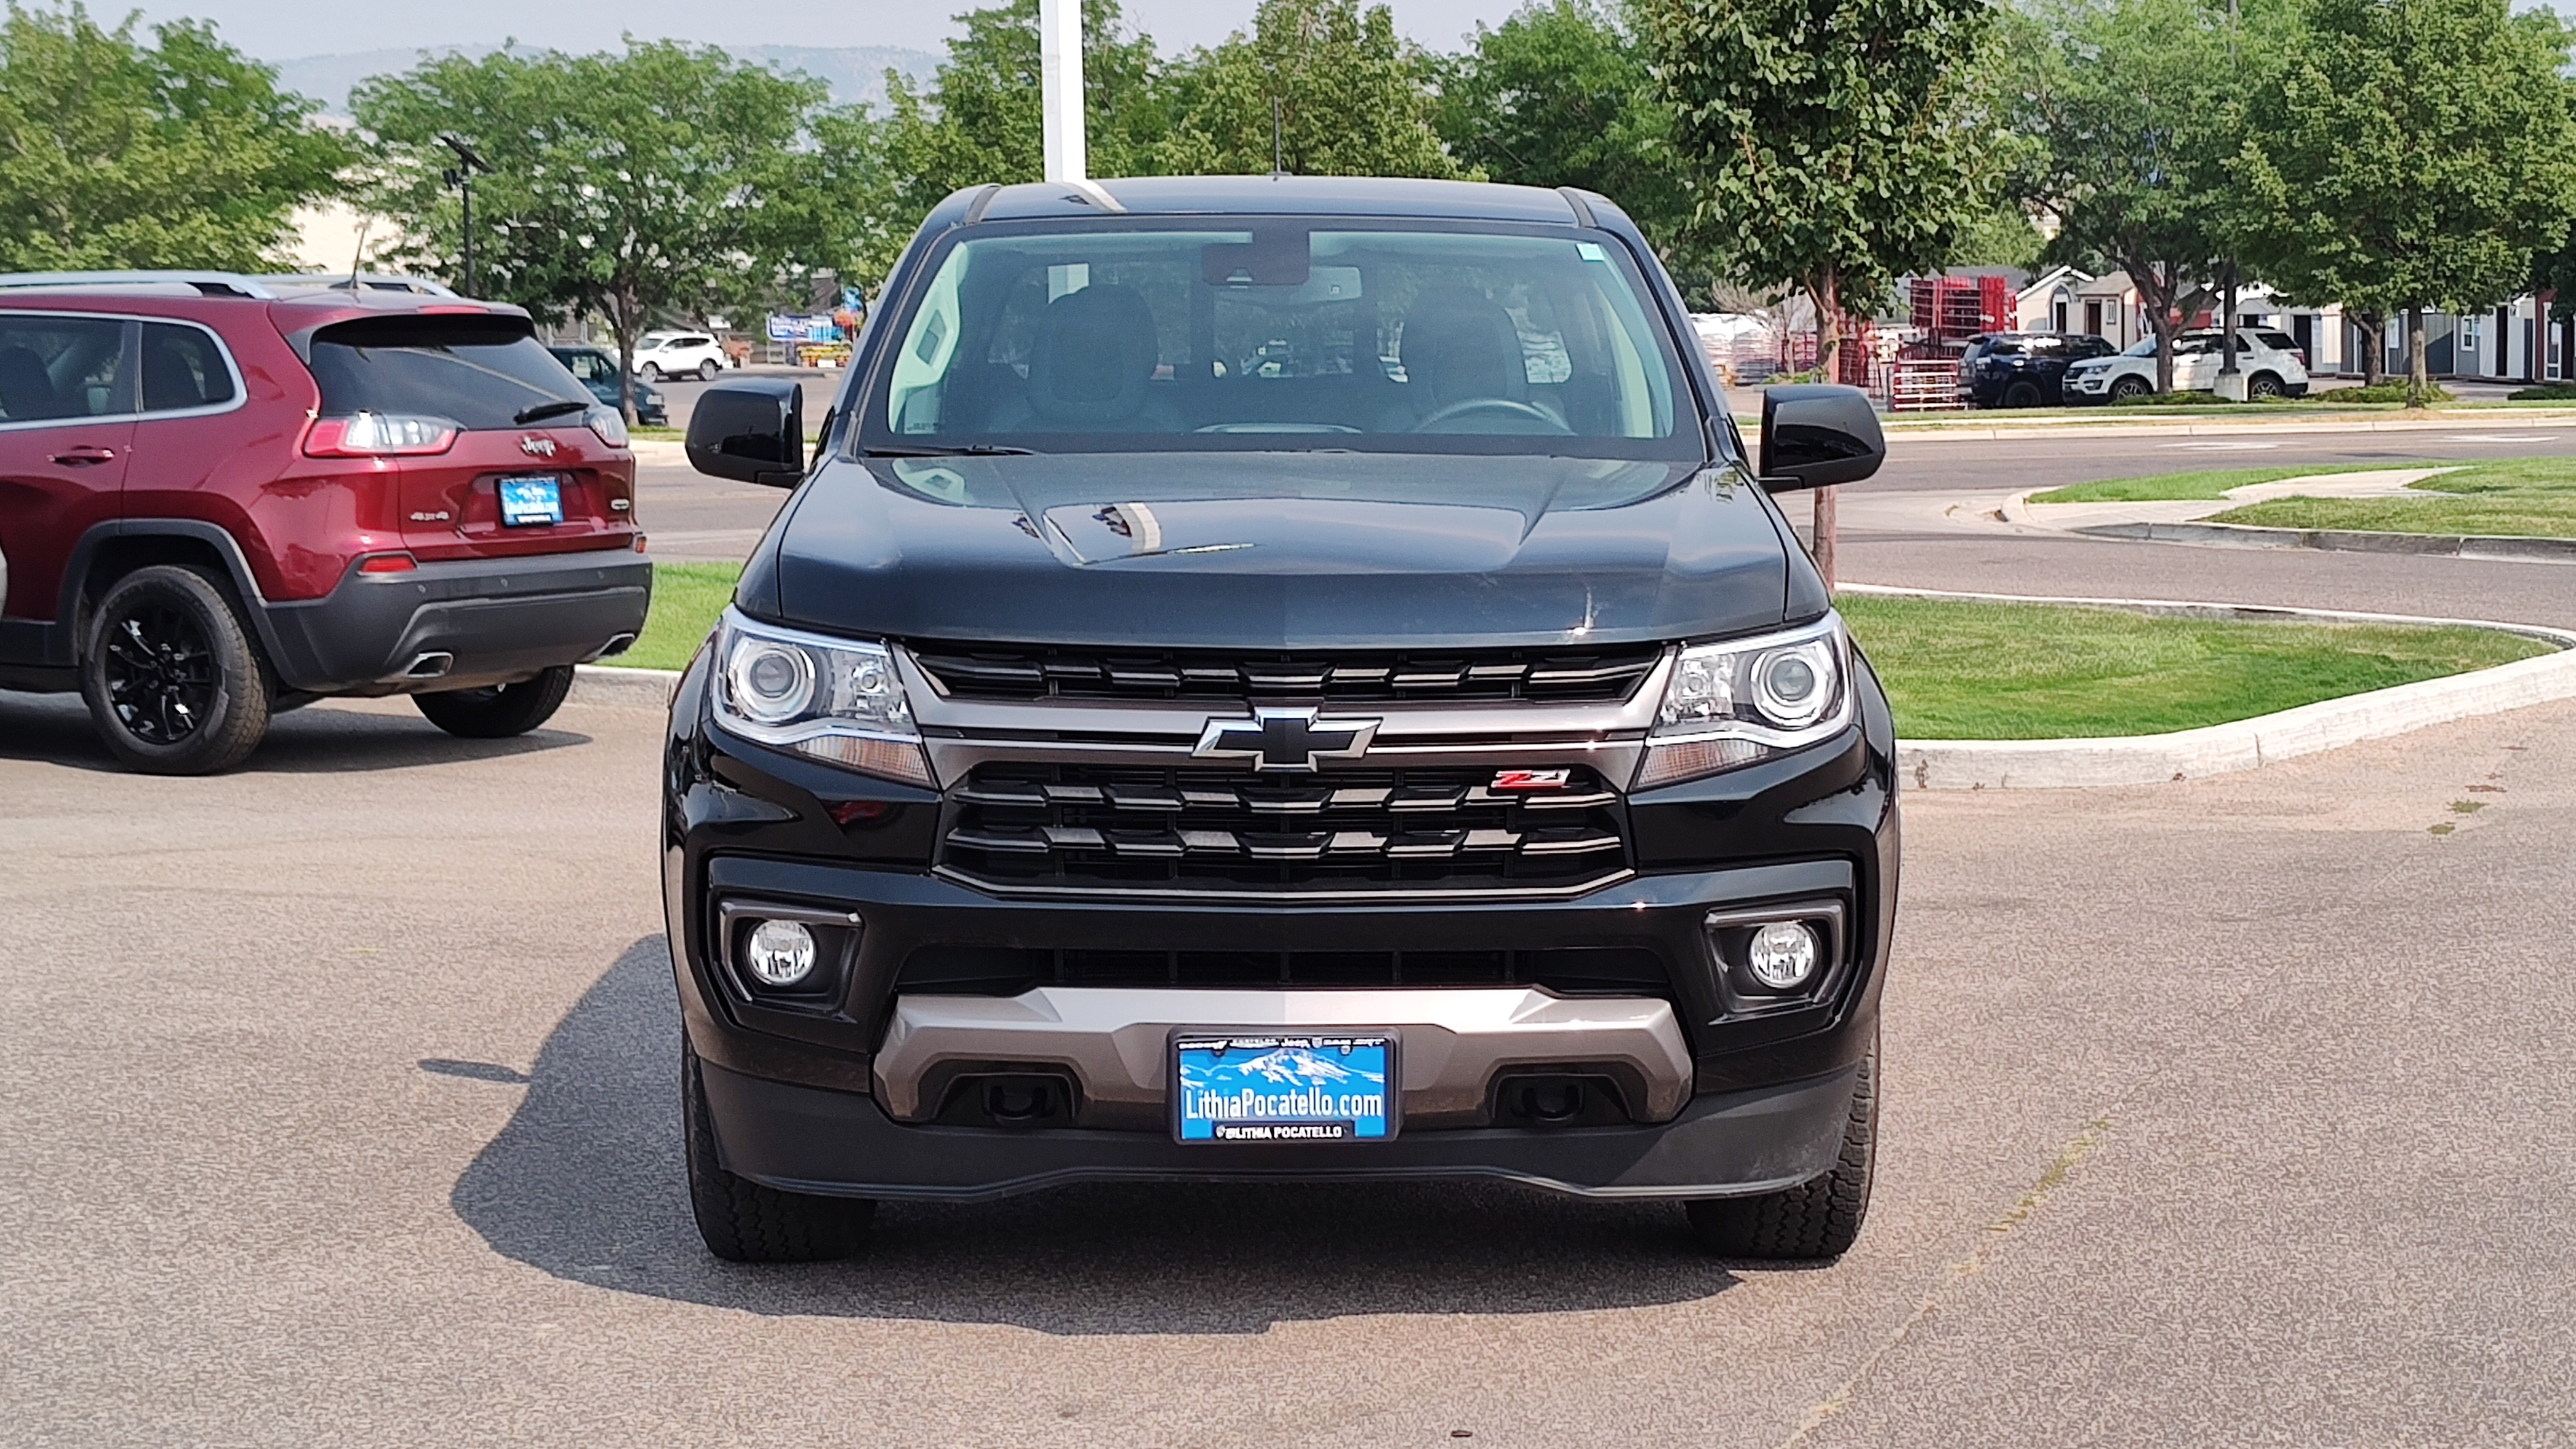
{"x": 1231, "y": 1088}
{"x": 534, "y": 501}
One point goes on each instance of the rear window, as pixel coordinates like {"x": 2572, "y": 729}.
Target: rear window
{"x": 61, "y": 367}
{"x": 479, "y": 372}
{"x": 2278, "y": 340}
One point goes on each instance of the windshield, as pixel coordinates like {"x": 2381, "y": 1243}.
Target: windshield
{"x": 1283, "y": 334}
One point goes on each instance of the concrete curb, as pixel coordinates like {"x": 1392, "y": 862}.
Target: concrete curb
{"x": 2508, "y": 547}
{"x": 2240, "y": 744}
{"x": 606, "y": 684}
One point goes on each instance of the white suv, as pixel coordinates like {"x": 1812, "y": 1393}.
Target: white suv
{"x": 2272, "y": 364}
{"x": 679, "y": 354}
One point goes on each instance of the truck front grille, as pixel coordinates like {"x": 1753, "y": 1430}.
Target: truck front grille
{"x": 1045, "y": 671}
{"x": 1077, "y": 826}
{"x": 1010, "y": 970}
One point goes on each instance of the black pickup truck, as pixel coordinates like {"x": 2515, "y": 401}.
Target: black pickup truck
{"x": 1279, "y": 678}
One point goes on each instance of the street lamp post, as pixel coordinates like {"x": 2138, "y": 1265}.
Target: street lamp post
{"x": 461, "y": 176}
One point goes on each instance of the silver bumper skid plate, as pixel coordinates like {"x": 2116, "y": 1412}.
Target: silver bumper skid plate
{"x": 1115, "y": 1040}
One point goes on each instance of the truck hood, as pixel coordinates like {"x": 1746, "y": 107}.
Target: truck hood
{"x": 1274, "y": 550}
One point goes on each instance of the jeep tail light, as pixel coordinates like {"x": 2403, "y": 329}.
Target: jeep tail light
{"x": 379, "y": 435}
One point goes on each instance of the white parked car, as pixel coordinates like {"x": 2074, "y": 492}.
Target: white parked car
{"x": 679, "y": 354}
{"x": 2272, "y": 364}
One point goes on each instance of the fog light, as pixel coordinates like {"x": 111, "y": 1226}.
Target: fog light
{"x": 781, "y": 953}
{"x": 1783, "y": 954}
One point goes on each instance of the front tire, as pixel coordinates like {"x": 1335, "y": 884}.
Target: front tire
{"x": 1819, "y": 1218}
{"x": 745, "y": 1222}
{"x": 500, "y": 711}
{"x": 173, "y": 681}
{"x": 2130, "y": 389}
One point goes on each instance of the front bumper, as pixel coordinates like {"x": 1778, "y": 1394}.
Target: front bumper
{"x": 806, "y": 1139}
{"x": 460, "y": 624}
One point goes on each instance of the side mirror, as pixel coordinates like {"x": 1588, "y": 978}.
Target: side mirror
{"x": 1814, "y": 435}
{"x": 750, "y": 429}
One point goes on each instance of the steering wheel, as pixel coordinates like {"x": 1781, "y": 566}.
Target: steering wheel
{"x": 1500, "y": 406}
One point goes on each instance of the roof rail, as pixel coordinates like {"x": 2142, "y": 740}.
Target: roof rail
{"x": 210, "y": 284}
{"x": 357, "y": 282}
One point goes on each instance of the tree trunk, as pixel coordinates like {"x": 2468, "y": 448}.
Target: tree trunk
{"x": 1829, "y": 344}
{"x": 2419, "y": 381}
{"x": 2374, "y": 348}
{"x": 622, "y": 308}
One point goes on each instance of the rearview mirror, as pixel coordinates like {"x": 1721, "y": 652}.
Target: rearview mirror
{"x": 1815, "y": 435}
{"x": 750, "y": 429}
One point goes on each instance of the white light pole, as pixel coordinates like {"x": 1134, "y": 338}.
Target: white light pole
{"x": 1060, "y": 62}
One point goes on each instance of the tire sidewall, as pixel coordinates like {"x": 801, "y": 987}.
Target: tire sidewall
{"x": 238, "y": 715}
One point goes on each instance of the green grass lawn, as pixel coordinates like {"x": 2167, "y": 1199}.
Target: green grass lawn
{"x": 686, "y": 599}
{"x": 1969, "y": 671}
{"x": 2532, "y": 497}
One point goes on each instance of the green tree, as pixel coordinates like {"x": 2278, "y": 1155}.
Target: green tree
{"x": 632, "y": 187}
{"x": 1831, "y": 144}
{"x": 180, "y": 153}
{"x": 1564, "y": 94}
{"x": 2413, "y": 154}
{"x": 2128, "y": 110}
{"x": 1351, "y": 98}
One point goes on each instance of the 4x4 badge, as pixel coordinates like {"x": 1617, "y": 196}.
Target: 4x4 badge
{"x": 1286, "y": 739}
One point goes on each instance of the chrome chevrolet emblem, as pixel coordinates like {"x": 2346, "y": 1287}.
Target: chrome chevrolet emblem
{"x": 1286, "y": 739}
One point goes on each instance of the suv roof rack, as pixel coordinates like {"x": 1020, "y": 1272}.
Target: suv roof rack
{"x": 208, "y": 284}
{"x": 357, "y": 282}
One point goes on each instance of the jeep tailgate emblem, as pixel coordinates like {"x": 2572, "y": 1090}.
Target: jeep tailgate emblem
{"x": 537, "y": 447}
{"x": 1286, "y": 739}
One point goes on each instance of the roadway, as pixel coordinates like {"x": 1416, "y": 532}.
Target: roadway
{"x": 340, "y": 1099}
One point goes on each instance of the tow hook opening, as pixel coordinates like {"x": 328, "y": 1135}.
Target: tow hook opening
{"x": 1009, "y": 1099}
{"x": 1558, "y": 1099}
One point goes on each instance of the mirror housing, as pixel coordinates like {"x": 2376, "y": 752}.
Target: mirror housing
{"x": 751, "y": 430}
{"x": 1814, "y": 435}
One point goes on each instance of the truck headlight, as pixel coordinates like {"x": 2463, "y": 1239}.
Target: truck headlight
{"x": 838, "y": 700}
{"x": 1732, "y": 703}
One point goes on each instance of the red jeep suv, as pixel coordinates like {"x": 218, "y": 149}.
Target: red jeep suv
{"x": 222, "y": 497}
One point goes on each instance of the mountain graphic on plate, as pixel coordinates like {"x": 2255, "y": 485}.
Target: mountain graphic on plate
{"x": 1294, "y": 1066}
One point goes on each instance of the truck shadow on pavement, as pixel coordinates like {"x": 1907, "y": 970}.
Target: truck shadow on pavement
{"x": 56, "y": 730}
{"x": 586, "y": 1183}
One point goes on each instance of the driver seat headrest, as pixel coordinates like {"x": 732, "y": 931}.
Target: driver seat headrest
{"x": 1459, "y": 344}
{"x": 1095, "y": 351}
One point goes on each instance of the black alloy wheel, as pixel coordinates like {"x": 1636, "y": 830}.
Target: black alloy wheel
{"x": 173, "y": 681}
{"x": 2022, "y": 395}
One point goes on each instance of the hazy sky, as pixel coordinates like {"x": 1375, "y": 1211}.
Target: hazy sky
{"x": 286, "y": 29}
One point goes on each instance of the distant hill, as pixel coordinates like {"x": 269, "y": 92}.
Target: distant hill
{"x": 855, "y": 73}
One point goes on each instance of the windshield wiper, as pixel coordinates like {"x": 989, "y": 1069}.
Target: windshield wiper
{"x": 967, "y": 450}
{"x": 528, "y": 415}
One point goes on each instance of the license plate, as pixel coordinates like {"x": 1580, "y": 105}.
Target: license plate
{"x": 526, "y": 502}
{"x": 1284, "y": 1087}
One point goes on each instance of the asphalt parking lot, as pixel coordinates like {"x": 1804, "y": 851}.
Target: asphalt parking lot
{"x": 340, "y": 1093}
